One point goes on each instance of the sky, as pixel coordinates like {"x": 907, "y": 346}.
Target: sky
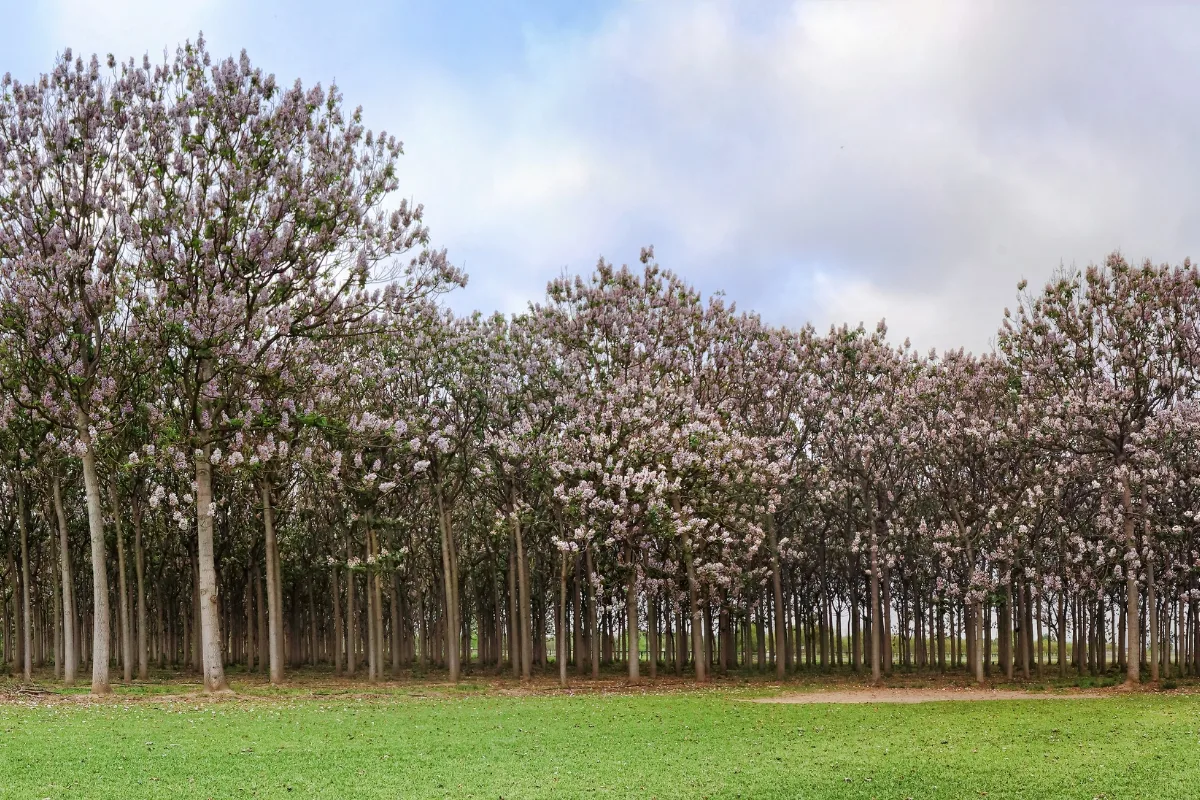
{"x": 820, "y": 162}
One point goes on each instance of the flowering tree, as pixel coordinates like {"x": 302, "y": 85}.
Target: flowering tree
{"x": 263, "y": 227}
{"x": 68, "y": 195}
{"x": 221, "y": 344}
{"x": 1099, "y": 354}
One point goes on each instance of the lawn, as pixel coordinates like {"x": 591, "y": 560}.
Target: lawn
{"x": 479, "y": 741}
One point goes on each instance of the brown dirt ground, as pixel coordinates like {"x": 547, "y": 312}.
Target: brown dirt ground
{"x": 167, "y": 688}
{"x": 915, "y": 695}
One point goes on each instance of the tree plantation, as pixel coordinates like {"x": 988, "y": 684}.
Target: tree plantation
{"x": 240, "y": 429}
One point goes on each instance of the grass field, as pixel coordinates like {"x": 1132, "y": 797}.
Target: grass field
{"x": 486, "y": 741}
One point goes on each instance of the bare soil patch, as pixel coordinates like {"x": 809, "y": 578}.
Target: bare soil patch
{"x": 916, "y": 695}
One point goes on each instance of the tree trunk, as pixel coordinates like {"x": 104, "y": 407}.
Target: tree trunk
{"x": 139, "y": 564}
{"x": 351, "y": 609}
{"x": 274, "y": 589}
{"x": 977, "y": 632}
{"x": 260, "y": 611}
{"x": 339, "y": 633}
{"x": 450, "y": 581}
{"x": 70, "y": 646}
{"x": 397, "y": 638}
{"x": 312, "y": 624}
{"x": 777, "y": 592}
{"x": 1004, "y": 617}
{"x": 251, "y": 644}
{"x": 593, "y": 626}
{"x": 101, "y": 616}
{"x": 1026, "y": 629}
{"x": 210, "y": 621}
{"x": 26, "y": 607}
{"x": 1062, "y": 633}
{"x": 631, "y": 613}
{"x": 941, "y": 634}
{"x": 698, "y": 655}
{"x": 1132, "y": 638}
{"x": 376, "y": 604}
{"x": 122, "y": 586}
{"x": 876, "y": 612}
{"x": 14, "y": 578}
{"x": 163, "y": 638}
{"x": 560, "y": 627}
{"x": 56, "y": 603}
{"x": 652, "y": 643}
{"x": 372, "y": 642}
{"x": 524, "y": 611}
{"x": 498, "y": 606}
{"x": 1152, "y": 605}
{"x": 578, "y": 615}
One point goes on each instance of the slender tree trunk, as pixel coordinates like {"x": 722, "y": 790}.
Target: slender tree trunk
{"x": 210, "y": 620}
{"x": 886, "y": 632}
{"x": 593, "y": 626}
{"x": 251, "y": 644}
{"x": 577, "y": 614}
{"x": 450, "y": 581}
{"x": 163, "y": 638}
{"x": 631, "y": 614}
{"x": 1004, "y": 617}
{"x": 1040, "y": 633}
{"x": 26, "y": 606}
{"x": 376, "y": 606}
{"x": 56, "y": 603}
{"x": 351, "y": 624}
{"x": 274, "y": 590}
{"x": 1026, "y": 629}
{"x": 876, "y": 612}
{"x": 18, "y": 638}
{"x": 139, "y": 563}
{"x": 339, "y": 633}
{"x": 652, "y": 642}
{"x": 1133, "y": 640}
{"x": 777, "y": 593}
{"x": 312, "y": 624}
{"x": 698, "y": 652}
{"x": 977, "y": 632}
{"x": 260, "y": 611}
{"x": 941, "y": 634}
{"x": 101, "y": 621}
{"x": 1062, "y": 633}
{"x": 372, "y": 640}
{"x": 1152, "y": 605}
{"x": 498, "y": 606}
{"x": 560, "y": 627}
{"x": 122, "y": 586}
{"x": 70, "y": 647}
{"x": 397, "y": 638}
{"x": 524, "y": 610}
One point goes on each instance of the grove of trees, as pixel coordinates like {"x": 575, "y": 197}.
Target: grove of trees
{"x": 239, "y": 427}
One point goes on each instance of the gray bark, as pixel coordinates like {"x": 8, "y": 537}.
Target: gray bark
{"x": 122, "y": 586}
{"x": 101, "y": 617}
{"x": 70, "y": 647}
{"x": 210, "y": 620}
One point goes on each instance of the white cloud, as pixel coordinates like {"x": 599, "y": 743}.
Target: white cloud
{"x": 816, "y": 160}
{"x": 921, "y": 316}
{"x": 928, "y": 155}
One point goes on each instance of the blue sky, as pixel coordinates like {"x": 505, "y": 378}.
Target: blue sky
{"x": 816, "y": 160}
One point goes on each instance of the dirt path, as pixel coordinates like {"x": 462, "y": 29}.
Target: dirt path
{"x": 922, "y": 696}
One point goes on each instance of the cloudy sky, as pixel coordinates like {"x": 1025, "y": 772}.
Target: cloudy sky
{"x": 817, "y": 161}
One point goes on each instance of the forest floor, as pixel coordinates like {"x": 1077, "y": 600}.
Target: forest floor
{"x": 491, "y": 736}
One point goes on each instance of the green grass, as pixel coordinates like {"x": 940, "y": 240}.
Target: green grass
{"x": 685, "y": 744}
